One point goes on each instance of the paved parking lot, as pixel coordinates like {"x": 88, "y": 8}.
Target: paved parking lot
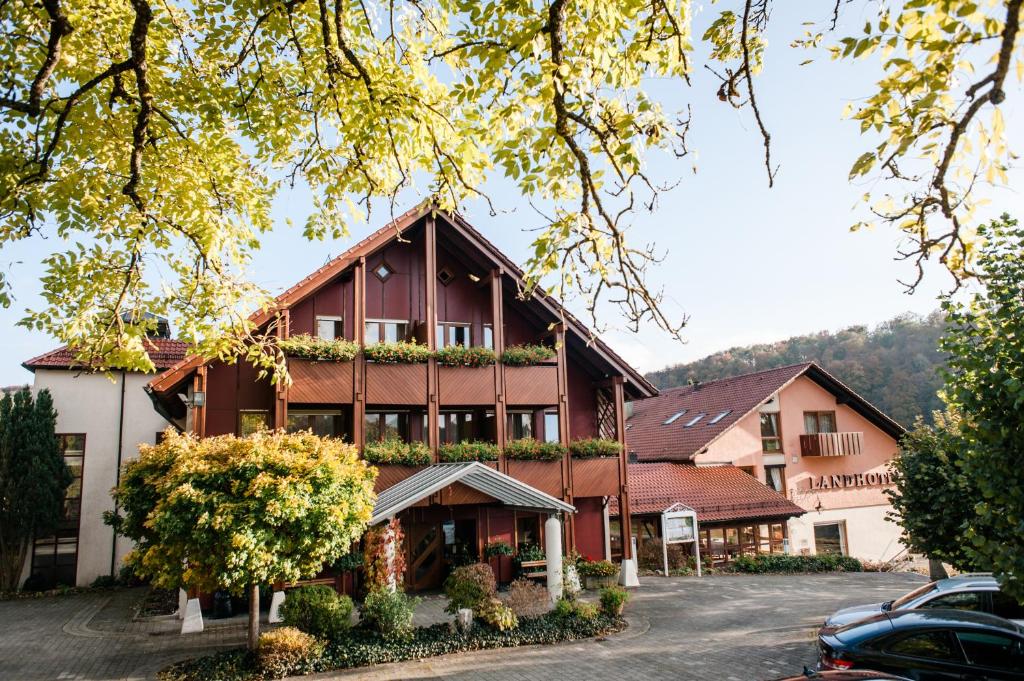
{"x": 731, "y": 628}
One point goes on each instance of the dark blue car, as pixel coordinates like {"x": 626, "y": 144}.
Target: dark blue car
{"x": 927, "y": 645}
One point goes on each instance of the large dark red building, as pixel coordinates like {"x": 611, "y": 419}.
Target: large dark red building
{"x": 431, "y": 277}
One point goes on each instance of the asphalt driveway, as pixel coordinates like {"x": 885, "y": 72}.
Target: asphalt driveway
{"x": 736, "y": 628}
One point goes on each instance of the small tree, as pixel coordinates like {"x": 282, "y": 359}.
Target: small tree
{"x": 236, "y": 513}
{"x": 985, "y": 383}
{"x": 33, "y": 478}
{"x": 933, "y": 500}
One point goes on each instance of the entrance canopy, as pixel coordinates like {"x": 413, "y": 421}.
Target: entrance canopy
{"x": 432, "y": 479}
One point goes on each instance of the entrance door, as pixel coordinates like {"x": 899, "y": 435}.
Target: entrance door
{"x": 424, "y": 542}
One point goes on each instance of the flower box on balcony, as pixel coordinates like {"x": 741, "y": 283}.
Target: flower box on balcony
{"x": 396, "y": 383}
{"x": 531, "y": 385}
{"x": 320, "y": 382}
{"x": 466, "y": 386}
{"x": 595, "y": 477}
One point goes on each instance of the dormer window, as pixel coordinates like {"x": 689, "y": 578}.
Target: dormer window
{"x": 719, "y": 417}
{"x": 695, "y": 420}
{"x": 672, "y": 419}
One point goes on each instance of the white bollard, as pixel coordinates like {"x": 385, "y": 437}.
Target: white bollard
{"x": 464, "y": 619}
{"x": 553, "y": 555}
{"x": 276, "y": 601}
{"x": 627, "y": 575}
{"x": 193, "y": 622}
{"x": 182, "y": 601}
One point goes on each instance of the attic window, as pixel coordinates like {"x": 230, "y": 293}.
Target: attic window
{"x": 383, "y": 271}
{"x": 672, "y": 419}
{"x": 692, "y": 422}
{"x": 719, "y": 417}
{"x": 445, "y": 276}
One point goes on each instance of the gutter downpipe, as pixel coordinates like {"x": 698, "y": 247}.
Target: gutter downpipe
{"x": 117, "y": 479}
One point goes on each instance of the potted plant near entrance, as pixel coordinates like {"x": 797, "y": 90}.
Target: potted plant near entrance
{"x": 597, "y": 574}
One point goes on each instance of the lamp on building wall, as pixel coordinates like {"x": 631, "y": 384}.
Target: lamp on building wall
{"x": 818, "y": 506}
{"x": 198, "y": 399}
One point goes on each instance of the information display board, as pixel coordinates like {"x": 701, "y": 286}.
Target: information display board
{"x": 679, "y": 526}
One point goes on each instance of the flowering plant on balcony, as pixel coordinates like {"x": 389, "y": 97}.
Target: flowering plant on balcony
{"x": 594, "y": 447}
{"x": 304, "y": 346}
{"x": 528, "y": 449}
{"x": 397, "y": 452}
{"x": 470, "y": 450}
{"x": 462, "y": 356}
{"x": 401, "y": 352}
{"x": 527, "y": 355}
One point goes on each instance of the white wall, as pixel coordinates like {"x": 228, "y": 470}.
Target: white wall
{"x": 90, "y": 404}
{"x": 869, "y": 536}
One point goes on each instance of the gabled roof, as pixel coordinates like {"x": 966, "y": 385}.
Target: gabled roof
{"x": 432, "y": 479}
{"x": 641, "y": 387}
{"x": 652, "y": 439}
{"x": 716, "y": 493}
{"x": 164, "y": 352}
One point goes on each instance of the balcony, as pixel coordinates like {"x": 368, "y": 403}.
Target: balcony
{"x": 832, "y": 444}
{"x": 320, "y": 382}
{"x": 531, "y": 385}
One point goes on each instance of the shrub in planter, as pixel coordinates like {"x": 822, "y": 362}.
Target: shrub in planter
{"x": 317, "y": 610}
{"x": 496, "y": 614}
{"x": 461, "y": 356}
{"x": 468, "y": 586}
{"x": 597, "y": 573}
{"x": 595, "y": 447}
{"x": 304, "y": 346}
{"x": 526, "y": 355}
{"x": 397, "y": 452}
{"x": 527, "y": 598}
{"x": 468, "y": 451}
{"x": 389, "y": 613}
{"x": 528, "y": 449}
{"x": 613, "y": 600}
{"x": 287, "y": 650}
{"x": 401, "y": 352}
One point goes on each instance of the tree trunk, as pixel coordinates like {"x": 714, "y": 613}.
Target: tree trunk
{"x": 936, "y": 571}
{"x": 254, "y": 616}
{"x": 12, "y": 560}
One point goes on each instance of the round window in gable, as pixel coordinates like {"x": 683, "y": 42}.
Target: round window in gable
{"x": 445, "y": 276}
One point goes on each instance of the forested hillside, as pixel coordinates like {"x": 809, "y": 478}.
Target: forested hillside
{"x": 893, "y": 365}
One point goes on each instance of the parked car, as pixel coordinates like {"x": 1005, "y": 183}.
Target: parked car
{"x": 977, "y": 592}
{"x": 927, "y": 645}
{"x": 843, "y": 675}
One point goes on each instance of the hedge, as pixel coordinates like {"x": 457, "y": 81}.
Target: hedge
{"x": 781, "y": 563}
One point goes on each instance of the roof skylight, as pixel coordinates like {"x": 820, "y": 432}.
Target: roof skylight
{"x": 672, "y": 419}
{"x": 720, "y": 416}
{"x": 692, "y": 422}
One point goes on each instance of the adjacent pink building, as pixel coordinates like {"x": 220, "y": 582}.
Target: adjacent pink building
{"x": 798, "y": 430}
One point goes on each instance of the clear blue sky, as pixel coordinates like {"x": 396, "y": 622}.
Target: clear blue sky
{"x": 746, "y": 263}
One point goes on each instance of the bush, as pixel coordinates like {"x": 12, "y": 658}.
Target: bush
{"x": 287, "y": 651}
{"x": 566, "y": 609}
{"x": 530, "y": 552}
{"x": 613, "y": 600}
{"x": 104, "y": 582}
{"x": 527, "y": 598}
{"x": 468, "y": 451}
{"x": 650, "y": 556}
{"x": 597, "y": 568}
{"x": 397, "y": 452}
{"x": 389, "y": 613}
{"x": 781, "y": 563}
{"x": 402, "y": 352}
{"x": 317, "y": 610}
{"x": 461, "y": 356}
{"x": 496, "y": 614}
{"x": 468, "y": 586}
{"x": 498, "y": 548}
{"x": 528, "y": 449}
{"x": 594, "y": 447}
{"x": 304, "y": 346}
{"x": 526, "y": 355}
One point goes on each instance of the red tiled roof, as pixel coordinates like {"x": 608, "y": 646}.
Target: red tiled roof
{"x": 652, "y": 439}
{"x": 165, "y": 353}
{"x": 716, "y": 493}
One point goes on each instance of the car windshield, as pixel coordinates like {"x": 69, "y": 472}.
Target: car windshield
{"x": 916, "y": 593}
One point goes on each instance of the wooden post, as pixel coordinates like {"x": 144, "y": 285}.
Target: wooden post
{"x": 498, "y": 336}
{"x": 563, "y": 432}
{"x": 199, "y": 413}
{"x": 430, "y": 270}
{"x": 281, "y": 392}
{"x": 625, "y": 519}
{"x": 359, "y": 364}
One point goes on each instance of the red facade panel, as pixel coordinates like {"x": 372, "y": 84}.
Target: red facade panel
{"x": 401, "y": 384}
{"x": 536, "y": 385}
{"x": 595, "y": 477}
{"x": 589, "y": 527}
{"x": 544, "y": 475}
{"x": 466, "y": 386}
{"x": 320, "y": 382}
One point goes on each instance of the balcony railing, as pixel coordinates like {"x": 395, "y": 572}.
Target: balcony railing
{"x": 831, "y": 444}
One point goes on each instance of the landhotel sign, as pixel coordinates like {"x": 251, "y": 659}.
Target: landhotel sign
{"x": 850, "y": 480}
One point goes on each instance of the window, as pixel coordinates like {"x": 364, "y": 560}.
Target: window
{"x": 527, "y": 530}
{"x": 450, "y": 334}
{"x": 749, "y": 470}
{"x": 383, "y": 271}
{"x": 830, "y": 538}
{"x": 775, "y": 477}
{"x": 252, "y": 420}
{"x": 991, "y": 650}
{"x": 445, "y": 276}
{"x": 55, "y": 558}
{"x": 672, "y": 419}
{"x": 73, "y": 448}
{"x": 387, "y": 426}
{"x": 457, "y": 426}
{"x": 719, "y": 416}
{"x": 819, "y": 422}
{"x": 551, "y": 433}
{"x": 322, "y": 423}
{"x": 931, "y": 645}
{"x": 488, "y": 337}
{"x": 771, "y": 441}
{"x": 520, "y": 425}
{"x": 330, "y": 328}
{"x": 385, "y": 331}
{"x": 692, "y": 422}
{"x": 1006, "y": 607}
{"x": 964, "y": 600}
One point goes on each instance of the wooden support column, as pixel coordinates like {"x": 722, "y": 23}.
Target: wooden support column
{"x": 430, "y": 273}
{"x": 281, "y": 392}
{"x": 563, "y": 432}
{"x": 359, "y": 364}
{"x": 625, "y": 517}
{"x": 498, "y": 335}
{"x": 199, "y": 413}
